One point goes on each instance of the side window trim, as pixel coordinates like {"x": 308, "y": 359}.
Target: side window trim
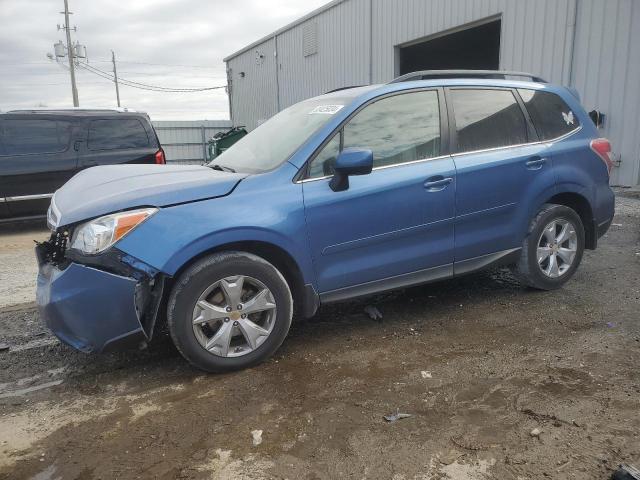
{"x": 532, "y": 133}
{"x": 453, "y": 135}
{"x": 303, "y": 173}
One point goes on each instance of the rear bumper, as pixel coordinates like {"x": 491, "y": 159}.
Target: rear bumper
{"x": 89, "y": 309}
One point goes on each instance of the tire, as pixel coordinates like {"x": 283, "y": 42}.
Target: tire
{"x": 544, "y": 276}
{"x": 215, "y": 282}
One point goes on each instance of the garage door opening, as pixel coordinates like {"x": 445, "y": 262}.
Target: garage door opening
{"x": 476, "y": 48}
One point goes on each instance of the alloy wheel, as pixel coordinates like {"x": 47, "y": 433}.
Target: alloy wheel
{"x": 234, "y": 316}
{"x": 557, "y": 247}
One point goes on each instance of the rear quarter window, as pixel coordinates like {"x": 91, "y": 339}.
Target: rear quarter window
{"x": 551, "y": 116}
{"x": 33, "y": 136}
{"x": 110, "y": 134}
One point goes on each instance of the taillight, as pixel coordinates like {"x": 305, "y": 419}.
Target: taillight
{"x": 160, "y": 160}
{"x": 602, "y": 148}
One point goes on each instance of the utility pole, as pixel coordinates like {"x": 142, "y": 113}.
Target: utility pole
{"x": 74, "y": 89}
{"x": 115, "y": 74}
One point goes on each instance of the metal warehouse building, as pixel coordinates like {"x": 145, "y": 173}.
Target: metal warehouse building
{"x": 593, "y": 45}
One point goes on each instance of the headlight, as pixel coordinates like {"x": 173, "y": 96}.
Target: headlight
{"x": 99, "y": 234}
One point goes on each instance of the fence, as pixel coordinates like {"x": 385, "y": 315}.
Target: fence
{"x": 186, "y": 141}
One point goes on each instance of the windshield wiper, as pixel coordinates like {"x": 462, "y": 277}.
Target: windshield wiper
{"x": 222, "y": 168}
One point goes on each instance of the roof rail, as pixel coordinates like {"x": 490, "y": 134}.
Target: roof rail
{"x": 429, "y": 74}
{"x": 72, "y": 109}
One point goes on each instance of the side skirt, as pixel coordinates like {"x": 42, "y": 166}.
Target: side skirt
{"x": 420, "y": 277}
{"x": 391, "y": 283}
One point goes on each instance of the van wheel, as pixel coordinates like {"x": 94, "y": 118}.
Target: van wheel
{"x": 228, "y": 311}
{"x": 552, "y": 249}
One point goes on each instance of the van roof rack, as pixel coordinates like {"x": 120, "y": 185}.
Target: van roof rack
{"x": 72, "y": 109}
{"x": 430, "y": 74}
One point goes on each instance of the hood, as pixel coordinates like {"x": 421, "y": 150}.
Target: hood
{"x": 107, "y": 189}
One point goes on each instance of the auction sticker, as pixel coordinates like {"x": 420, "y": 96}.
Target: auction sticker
{"x": 326, "y": 109}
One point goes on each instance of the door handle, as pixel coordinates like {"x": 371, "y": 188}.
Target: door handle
{"x": 535, "y": 163}
{"x": 438, "y": 183}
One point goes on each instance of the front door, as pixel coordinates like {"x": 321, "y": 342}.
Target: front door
{"x": 393, "y": 226}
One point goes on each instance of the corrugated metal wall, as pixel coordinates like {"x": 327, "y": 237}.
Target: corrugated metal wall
{"x": 358, "y": 39}
{"x": 606, "y": 72}
{"x": 300, "y": 77}
{"x": 185, "y": 141}
{"x": 253, "y": 85}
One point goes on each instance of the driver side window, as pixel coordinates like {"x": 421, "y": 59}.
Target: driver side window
{"x": 322, "y": 165}
{"x": 397, "y": 129}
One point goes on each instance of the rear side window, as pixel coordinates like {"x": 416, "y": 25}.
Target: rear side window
{"x": 487, "y": 119}
{"x": 550, "y": 115}
{"x": 24, "y": 137}
{"x": 117, "y": 133}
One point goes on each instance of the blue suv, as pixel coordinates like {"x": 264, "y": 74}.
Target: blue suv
{"x": 350, "y": 193}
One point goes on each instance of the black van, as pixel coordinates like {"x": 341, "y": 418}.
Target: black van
{"x": 41, "y": 149}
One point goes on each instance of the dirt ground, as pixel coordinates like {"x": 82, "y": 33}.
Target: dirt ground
{"x": 478, "y": 363}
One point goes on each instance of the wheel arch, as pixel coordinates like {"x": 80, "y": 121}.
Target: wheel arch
{"x": 275, "y": 255}
{"x": 582, "y": 207}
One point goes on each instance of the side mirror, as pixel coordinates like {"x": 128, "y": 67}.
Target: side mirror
{"x": 351, "y": 161}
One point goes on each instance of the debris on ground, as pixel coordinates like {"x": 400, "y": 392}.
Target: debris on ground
{"x": 373, "y": 312}
{"x": 257, "y": 437}
{"x": 4, "y": 347}
{"x": 626, "y": 472}
{"x": 425, "y": 374}
{"x": 535, "y": 432}
{"x": 392, "y": 417}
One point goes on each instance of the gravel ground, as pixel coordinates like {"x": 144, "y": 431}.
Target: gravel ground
{"x": 19, "y": 267}
{"x": 479, "y": 363}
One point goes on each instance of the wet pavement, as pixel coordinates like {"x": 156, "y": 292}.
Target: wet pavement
{"x": 479, "y": 363}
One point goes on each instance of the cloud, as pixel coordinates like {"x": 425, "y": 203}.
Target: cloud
{"x": 195, "y": 33}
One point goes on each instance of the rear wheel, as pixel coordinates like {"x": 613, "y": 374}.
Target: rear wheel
{"x": 229, "y": 311}
{"x": 553, "y": 248}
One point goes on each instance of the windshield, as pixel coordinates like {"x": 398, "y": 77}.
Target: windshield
{"x": 278, "y": 138}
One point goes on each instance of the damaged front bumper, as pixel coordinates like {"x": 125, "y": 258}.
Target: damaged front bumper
{"x": 111, "y": 303}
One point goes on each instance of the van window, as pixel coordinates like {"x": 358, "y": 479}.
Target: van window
{"x": 487, "y": 119}
{"x": 117, "y": 133}
{"x": 33, "y": 136}
{"x": 550, "y": 115}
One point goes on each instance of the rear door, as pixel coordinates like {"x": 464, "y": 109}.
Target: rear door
{"x": 37, "y": 158}
{"x": 500, "y": 166}
{"x": 115, "y": 140}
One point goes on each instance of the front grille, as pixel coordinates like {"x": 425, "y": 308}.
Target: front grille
{"x": 55, "y": 248}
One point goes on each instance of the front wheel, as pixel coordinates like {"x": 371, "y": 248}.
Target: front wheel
{"x": 229, "y": 311}
{"x": 552, "y": 249}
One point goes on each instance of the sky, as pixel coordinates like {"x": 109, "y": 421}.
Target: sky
{"x": 169, "y": 43}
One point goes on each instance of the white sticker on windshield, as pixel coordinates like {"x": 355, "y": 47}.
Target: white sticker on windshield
{"x": 326, "y": 109}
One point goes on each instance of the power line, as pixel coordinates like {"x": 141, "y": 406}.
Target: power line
{"x": 145, "y": 86}
{"x": 161, "y": 64}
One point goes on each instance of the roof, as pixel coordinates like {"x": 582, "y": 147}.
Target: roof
{"x": 303, "y": 19}
{"x": 73, "y": 110}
